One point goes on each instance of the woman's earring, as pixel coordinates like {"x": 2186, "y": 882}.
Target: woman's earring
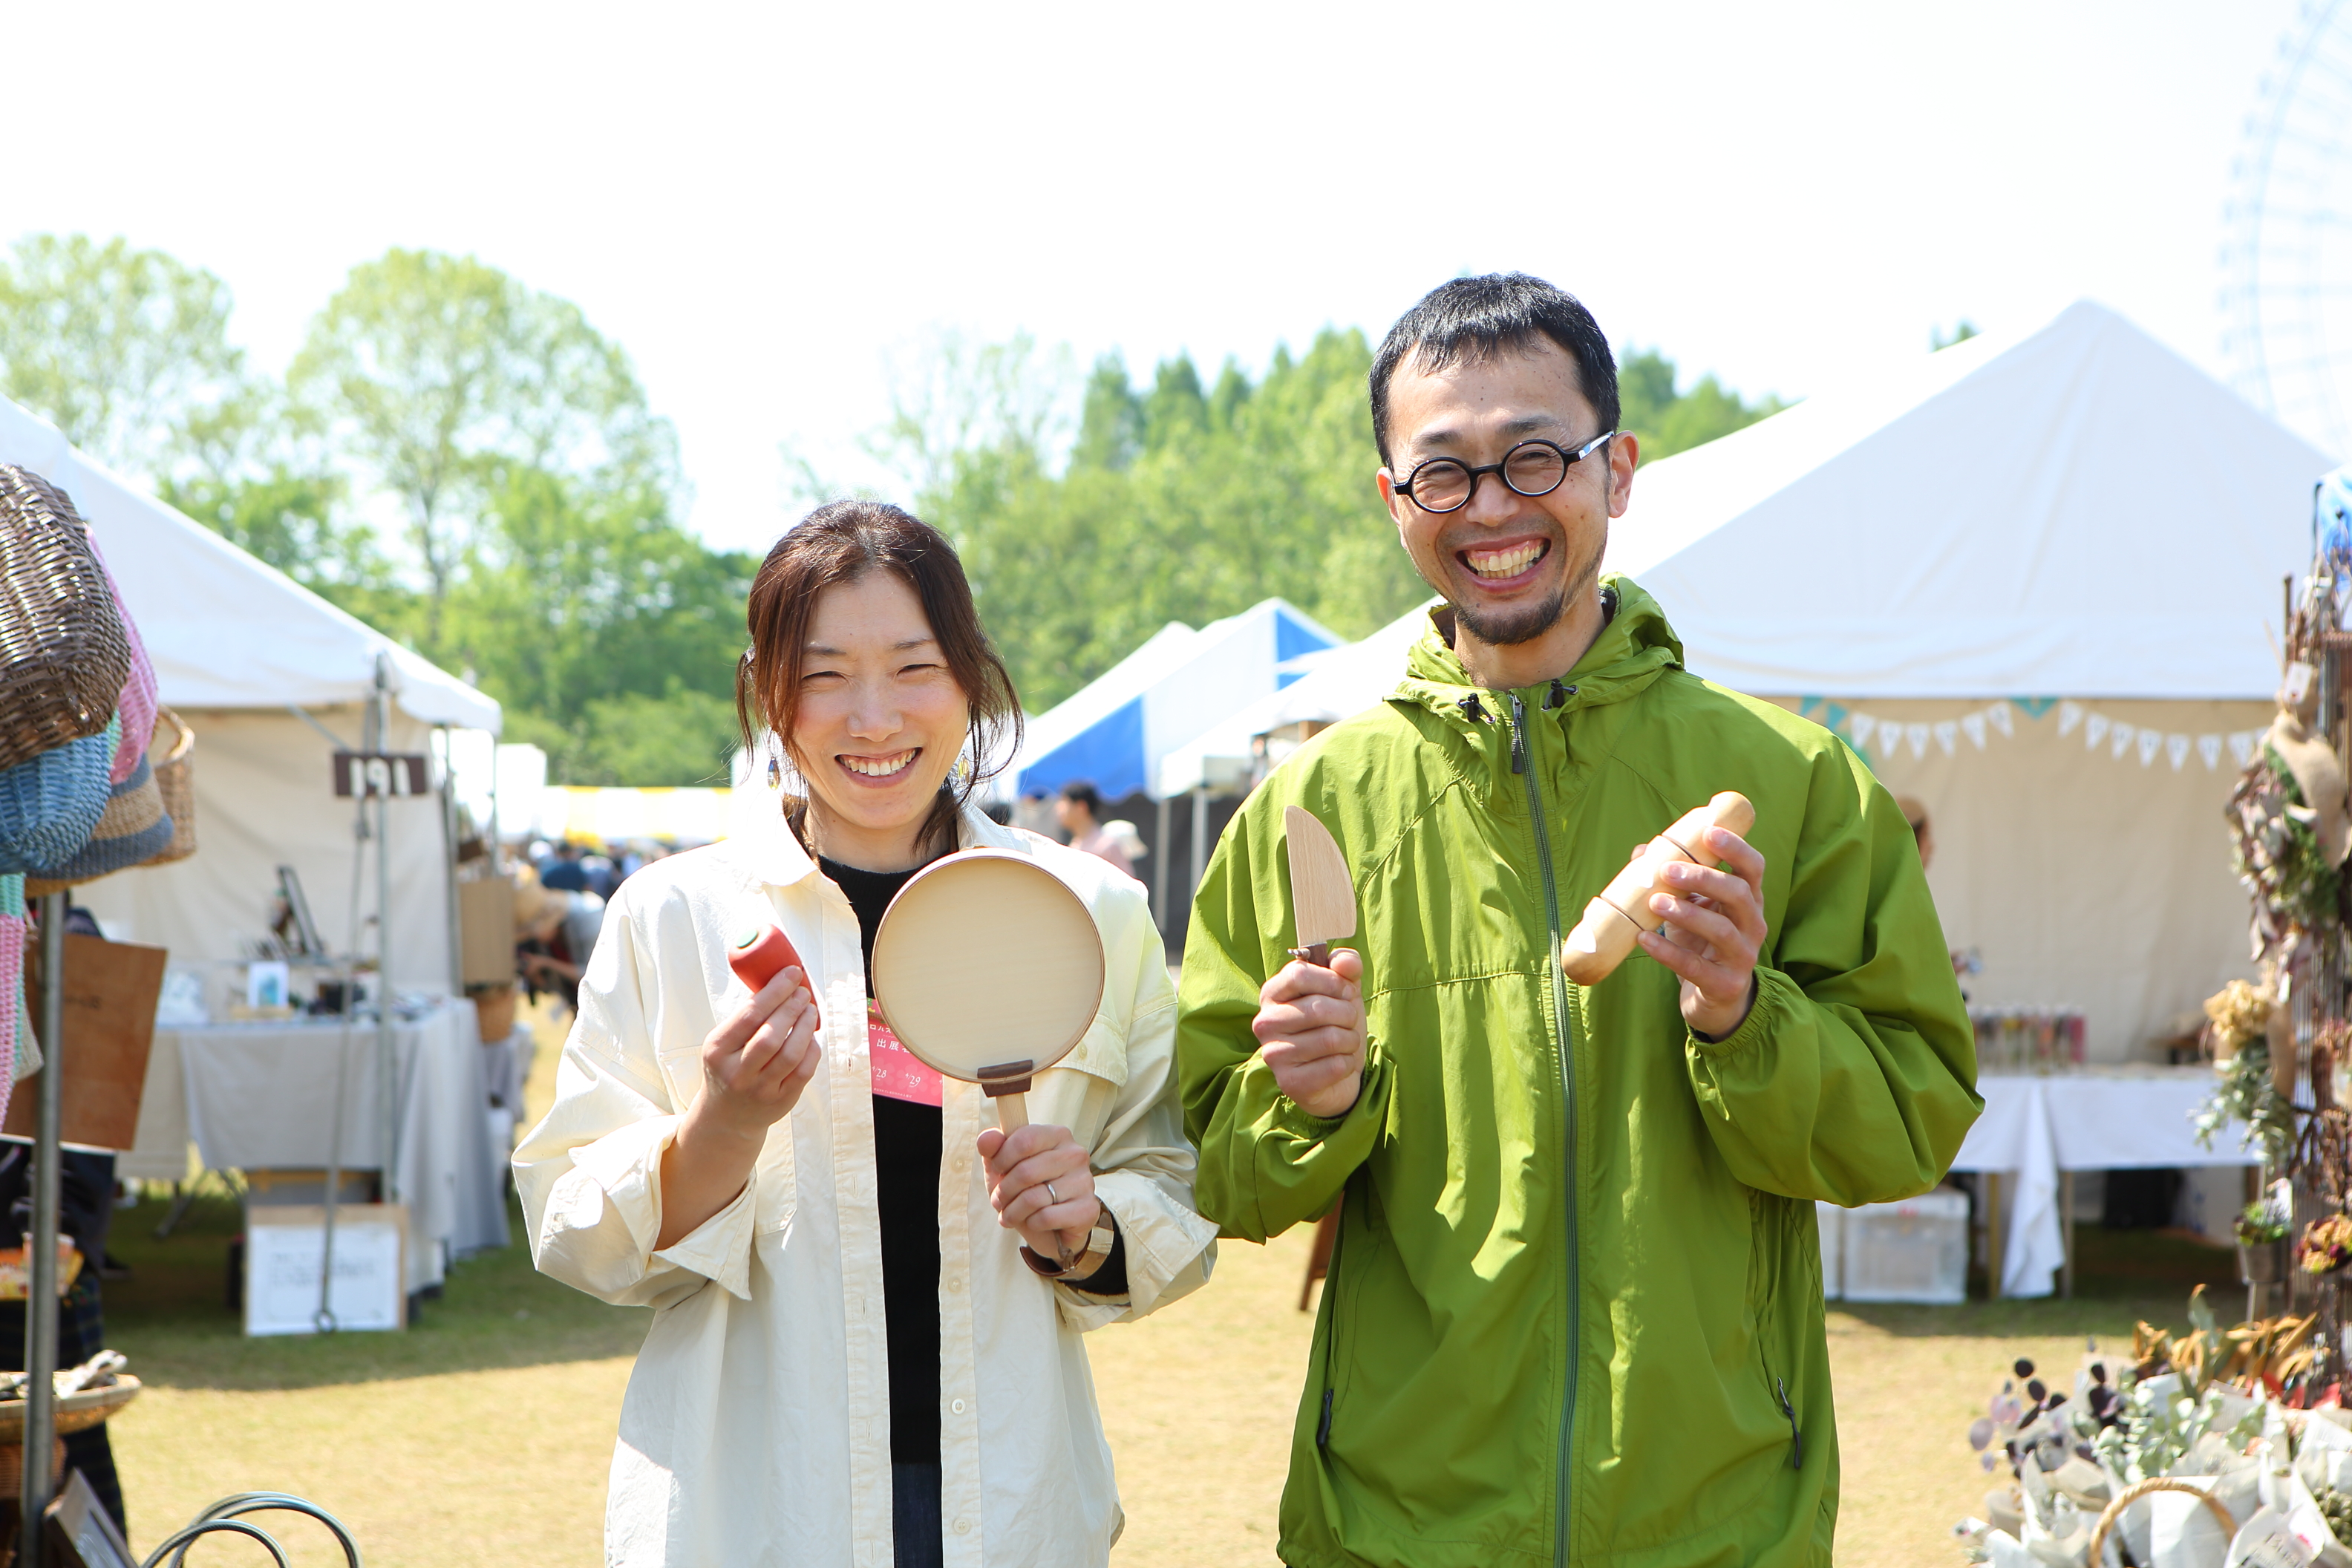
{"x": 775, "y": 770}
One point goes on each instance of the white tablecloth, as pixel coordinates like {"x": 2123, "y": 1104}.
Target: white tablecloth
{"x": 256, "y": 1095}
{"x": 2033, "y": 1128}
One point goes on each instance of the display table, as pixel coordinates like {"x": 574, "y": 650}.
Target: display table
{"x": 259, "y": 1095}
{"x": 2036, "y": 1131}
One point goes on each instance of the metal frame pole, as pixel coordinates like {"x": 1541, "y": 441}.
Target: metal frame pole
{"x": 1162, "y": 851}
{"x": 1200, "y": 841}
{"x": 41, "y": 1269}
{"x": 387, "y": 1070}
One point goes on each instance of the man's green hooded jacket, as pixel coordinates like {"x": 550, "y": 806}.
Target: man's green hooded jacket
{"x": 1574, "y": 1315}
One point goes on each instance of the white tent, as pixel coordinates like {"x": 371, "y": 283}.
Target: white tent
{"x": 1325, "y": 687}
{"x": 1114, "y": 732}
{"x": 258, "y": 666}
{"x": 2030, "y": 577}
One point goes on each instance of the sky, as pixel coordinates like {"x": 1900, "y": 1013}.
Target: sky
{"x": 764, "y": 206}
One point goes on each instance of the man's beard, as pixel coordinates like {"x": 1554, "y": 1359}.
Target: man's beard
{"x": 1509, "y": 628}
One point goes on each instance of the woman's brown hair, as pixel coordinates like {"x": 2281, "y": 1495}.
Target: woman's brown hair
{"x": 839, "y": 543}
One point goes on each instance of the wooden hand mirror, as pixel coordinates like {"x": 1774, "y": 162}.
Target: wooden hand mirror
{"x": 989, "y": 969}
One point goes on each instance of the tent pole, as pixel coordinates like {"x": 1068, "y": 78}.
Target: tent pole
{"x": 449, "y": 864}
{"x": 498, "y": 853}
{"x": 1160, "y": 856}
{"x": 387, "y": 1073}
{"x": 1200, "y": 839}
{"x": 41, "y": 1271}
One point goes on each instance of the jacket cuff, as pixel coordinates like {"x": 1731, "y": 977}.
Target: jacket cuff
{"x": 1770, "y": 999}
{"x": 625, "y": 1164}
{"x": 1295, "y": 1118}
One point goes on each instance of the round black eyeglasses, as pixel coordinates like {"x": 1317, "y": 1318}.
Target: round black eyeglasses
{"x": 1532, "y": 469}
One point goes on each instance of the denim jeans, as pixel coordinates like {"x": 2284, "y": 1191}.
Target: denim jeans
{"x": 915, "y": 1516}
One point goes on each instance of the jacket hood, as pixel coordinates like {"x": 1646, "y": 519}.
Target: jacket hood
{"x": 1633, "y": 650}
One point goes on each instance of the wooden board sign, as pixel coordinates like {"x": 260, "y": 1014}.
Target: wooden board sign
{"x": 110, "y": 1015}
{"x": 373, "y": 773}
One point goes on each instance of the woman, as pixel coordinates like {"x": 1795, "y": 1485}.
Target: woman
{"x": 851, "y": 1361}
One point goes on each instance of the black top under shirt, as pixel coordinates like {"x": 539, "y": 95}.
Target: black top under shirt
{"x": 906, "y": 1190}
{"x": 907, "y": 1149}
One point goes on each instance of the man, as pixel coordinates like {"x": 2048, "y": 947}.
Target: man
{"x": 1078, "y": 810}
{"x": 563, "y": 872}
{"x": 1574, "y": 1313}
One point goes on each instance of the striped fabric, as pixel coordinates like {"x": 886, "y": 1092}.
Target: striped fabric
{"x": 11, "y": 980}
{"x": 136, "y": 708}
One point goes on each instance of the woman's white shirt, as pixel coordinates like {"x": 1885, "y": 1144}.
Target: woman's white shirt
{"x": 756, "y": 1425}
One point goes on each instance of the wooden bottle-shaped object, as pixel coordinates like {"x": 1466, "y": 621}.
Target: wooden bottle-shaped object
{"x": 1605, "y": 935}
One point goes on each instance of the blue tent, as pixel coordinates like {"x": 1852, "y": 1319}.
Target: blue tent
{"x": 1179, "y": 684}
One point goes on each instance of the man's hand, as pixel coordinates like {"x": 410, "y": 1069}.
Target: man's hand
{"x": 1715, "y": 927}
{"x": 1310, "y": 1026}
{"x": 1043, "y": 1187}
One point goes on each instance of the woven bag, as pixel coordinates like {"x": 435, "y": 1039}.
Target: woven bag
{"x": 50, "y": 806}
{"x": 131, "y": 830}
{"x": 138, "y": 703}
{"x": 63, "y": 655}
{"x": 175, "y": 776}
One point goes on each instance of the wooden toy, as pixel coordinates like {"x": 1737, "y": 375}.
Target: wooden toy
{"x": 1322, "y": 901}
{"x": 989, "y": 969}
{"x": 1604, "y": 938}
{"x": 759, "y": 952}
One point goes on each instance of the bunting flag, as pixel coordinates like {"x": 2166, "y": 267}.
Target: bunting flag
{"x": 1874, "y": 735}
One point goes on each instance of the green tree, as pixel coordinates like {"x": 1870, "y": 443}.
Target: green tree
{"x": 435, "y": 375}
{"x": 1178, "y": 502}
{"x": 119, "y": 348}
{"x": 609, "y": 633}
{"x": 1938, "y": 342}
{"x": 1668, "y": 421}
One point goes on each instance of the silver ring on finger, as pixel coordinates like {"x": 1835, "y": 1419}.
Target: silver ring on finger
{"x": 1052, "y": 1194}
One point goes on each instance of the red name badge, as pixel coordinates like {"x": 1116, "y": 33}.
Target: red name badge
{"x": 899, "y": 1073}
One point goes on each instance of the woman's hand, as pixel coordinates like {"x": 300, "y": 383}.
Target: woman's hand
{"x": 756, "y": 1062}
{"x": 1039, "y": 1180}
{"x": 754, "y": 1066}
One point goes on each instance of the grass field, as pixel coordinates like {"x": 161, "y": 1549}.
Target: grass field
{"x": 481, "y": 1435}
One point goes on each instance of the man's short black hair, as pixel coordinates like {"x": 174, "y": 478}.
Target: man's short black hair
{"x": 1085, "y": 794}
{"x": 1475, "y": 318}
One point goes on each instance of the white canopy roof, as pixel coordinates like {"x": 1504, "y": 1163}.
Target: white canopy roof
{"x": 2077, "y": 512}
{"x": 1332, "y": 684}
{"x": 1114, "y": 730}
{"x": 225, "y": 630}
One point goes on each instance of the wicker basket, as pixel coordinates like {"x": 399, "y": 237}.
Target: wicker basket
{"x": 493, "y": 1005}
{"x": 175, "y": 776}
{"x": 63, "y": 653}
{"x": 129, "y": 832}
{"x": 50, "y": 806}
{"x": 2114, "y": 1513}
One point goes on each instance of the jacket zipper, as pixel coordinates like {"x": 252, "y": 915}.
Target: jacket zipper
{"x": 1330, "y": 1305}
{"x": 1796, "y": 1437}
{"x": 1568, "y": 1111}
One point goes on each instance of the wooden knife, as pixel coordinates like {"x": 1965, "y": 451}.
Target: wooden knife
{"x": 1322, "y": 901}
